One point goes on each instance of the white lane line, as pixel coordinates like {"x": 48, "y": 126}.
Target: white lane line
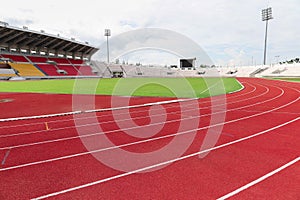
{"x": 104, "y": 109}
{"x": 141, "y": 141}
{"x": 163, "y": 163}
{"x": 242, "y": 87}
{"x": 40, "y": 116}
{"x": 97, "y": 110}
{"x": 279, "y": 112}
{"x": 108, "y": 109}
{"x": 171, "y": 121}
{"x": 84, "y": 118}
{"x": 105, "y": 122}
{"x": 258, "y": 180}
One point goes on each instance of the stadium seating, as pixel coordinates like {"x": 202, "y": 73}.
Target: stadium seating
{"x": 60, "y": 60}
{"x": 285, "y": 70}
{"x": 8, "y": 75}
{"x": 36, "y": 59}
{"x": 26, "y": 69}
{"x": 76, "y": 62}
{"x": 40, "y": 66}
{"x": 7, "y": 72}
{"x": 15, "y": 58}
{"x": 291, "y": 71}
{"x": 49, "y": 70}
{"x": 71, "y": 71}
{"x": 4, "y": 66}
{"x": 85, "y": 70}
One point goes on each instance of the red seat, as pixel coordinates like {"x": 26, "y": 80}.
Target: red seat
{"x": 76, "y": 62}
{"x": 60, "y": 60}
{"x": 85, "y": 70}
{"x": 69, "y": 69}
{"x": 15, "y": 58}
{"x": 49, "y": 70}
{"x": 36, "y": 59}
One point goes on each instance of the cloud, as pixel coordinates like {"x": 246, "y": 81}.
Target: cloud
{"x": 154, "y": 38}
{"x": 19, "y": 22}
{"x": 150, "y": 57}
{"x": 216, "y": 25}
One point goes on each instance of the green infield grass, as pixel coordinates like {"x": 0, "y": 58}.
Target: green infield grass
{"x": 158, "y": 87}
{"x": 288, "y": 79}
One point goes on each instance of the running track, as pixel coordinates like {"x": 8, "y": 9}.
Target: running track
{"x": 255, "y": 157}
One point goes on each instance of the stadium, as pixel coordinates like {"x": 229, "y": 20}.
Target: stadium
{"x": 73, "y": 127}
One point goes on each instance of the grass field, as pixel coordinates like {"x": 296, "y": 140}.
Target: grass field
{"x": 162, "y": 87}
{"x": 289, "y": 79}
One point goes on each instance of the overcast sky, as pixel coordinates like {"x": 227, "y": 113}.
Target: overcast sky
{"x": 230, "y": 31}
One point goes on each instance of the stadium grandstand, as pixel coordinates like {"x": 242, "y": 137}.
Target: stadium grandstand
{"x": 124, "y": 70}
{"x": 145, "y": 131}
{"x": 34, "y": 55}
{"x": 31, "y": 54}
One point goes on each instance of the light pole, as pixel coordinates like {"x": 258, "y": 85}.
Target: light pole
{"x": 277, "y": 58}
{"x": 266, "y": 16}
{"x": 107, "y": 34}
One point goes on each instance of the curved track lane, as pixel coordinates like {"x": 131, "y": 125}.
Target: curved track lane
{"x": 258, "y": 136}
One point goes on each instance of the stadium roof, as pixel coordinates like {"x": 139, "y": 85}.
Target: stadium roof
{"x": 23, "y": 38}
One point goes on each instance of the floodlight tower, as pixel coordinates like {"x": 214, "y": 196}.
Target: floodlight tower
{"x": 107, "y": 34}
{"x": 266, "y": 16}
{"x": 277, "y": 58}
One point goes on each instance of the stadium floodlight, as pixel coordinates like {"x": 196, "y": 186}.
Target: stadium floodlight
{"x": 107, "y": 34}
{"x": 266, "y": 16}
{"x": 277, "y": 57}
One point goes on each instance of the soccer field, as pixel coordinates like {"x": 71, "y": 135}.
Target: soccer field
{"x": 157, "y": 87}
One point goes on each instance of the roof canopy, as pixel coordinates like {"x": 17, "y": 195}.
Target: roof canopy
{"x": 24, "y": 39}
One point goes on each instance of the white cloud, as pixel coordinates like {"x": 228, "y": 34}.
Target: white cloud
{"x": 150, "y": 57}
{"x": 216, "y": 25}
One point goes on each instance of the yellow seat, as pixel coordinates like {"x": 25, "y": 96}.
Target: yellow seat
{"x": 7, "y": 75}
{"x": 26, "y": 69}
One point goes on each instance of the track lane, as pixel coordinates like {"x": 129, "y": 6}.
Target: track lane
{"x": 54, "y": 123}
{"x": 80, "y": 174}
{"x": 42, "y": 148}
{"x": 283, "y": 185}
{"x": 118, "y": 142}
{"x": 223, "y": 170}
{"x": 109, "y": 122}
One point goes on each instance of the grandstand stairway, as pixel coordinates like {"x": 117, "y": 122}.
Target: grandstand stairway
{"x": 279, "y": 71}
{"x": 258, "y": 71}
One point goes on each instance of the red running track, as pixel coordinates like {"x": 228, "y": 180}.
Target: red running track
{"x": 258, "y": 136}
